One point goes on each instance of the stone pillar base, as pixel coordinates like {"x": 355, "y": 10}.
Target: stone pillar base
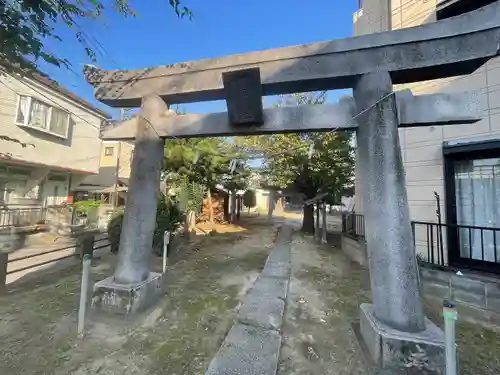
{"x": 127, "y": 299}
{"x": 389, "y": 347}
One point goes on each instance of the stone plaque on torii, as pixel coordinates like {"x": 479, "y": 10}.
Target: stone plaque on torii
{"x": 370, "y": 65}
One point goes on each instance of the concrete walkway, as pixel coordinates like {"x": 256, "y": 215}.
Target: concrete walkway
{"x": 252, "y": 346}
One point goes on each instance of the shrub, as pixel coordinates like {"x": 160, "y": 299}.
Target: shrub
{"x": 114, "y": 231}
{"x": 86, "y": 206}
{"x": 168, "y": 217}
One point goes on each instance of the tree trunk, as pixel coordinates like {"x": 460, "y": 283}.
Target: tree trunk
{"x": 316, "y": 227}
{"x": 308, "y": 219}
{"x": 232, "y": 209}
{"x": 210, "y": 207}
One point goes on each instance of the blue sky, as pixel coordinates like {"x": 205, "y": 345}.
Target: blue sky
{"x": 219, "y": 27}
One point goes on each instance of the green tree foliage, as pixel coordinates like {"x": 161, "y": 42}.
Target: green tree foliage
{"x": 249, "y": 199}
{"x": 190, "y": 195}
{"x": 181, "y": 160}
{"x": 330, "y": 169}
{"x": 197, "y": 165}
{"x": 28, "y": 26}
{"x": 236, "y": 180}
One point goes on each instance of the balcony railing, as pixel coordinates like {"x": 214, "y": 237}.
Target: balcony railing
{"x": 21, "y": 217}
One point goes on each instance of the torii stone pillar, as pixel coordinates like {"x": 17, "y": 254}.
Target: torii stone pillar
{"x": 133, "y": 287}
{"x": 395, "y": 320}
{"x": 393, "y": 266}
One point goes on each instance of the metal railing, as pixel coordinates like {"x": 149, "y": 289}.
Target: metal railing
{"x": 469, "y": 243}
{"x": 98, "y": 243}
{"x": 18, "y": 217}
{"x": 467, "y": 246}
{"x": 429, "y": 239}
{"x": 353, "y": 225}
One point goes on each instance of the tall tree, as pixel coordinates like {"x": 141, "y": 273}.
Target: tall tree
{"x": 27, "y": 26}
{"x": 202, "y": 161}
{"x": 330, "y": 168}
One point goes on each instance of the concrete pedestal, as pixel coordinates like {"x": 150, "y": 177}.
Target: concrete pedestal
{"x": 390, "y": 347}
{"x": 127, "y": 298}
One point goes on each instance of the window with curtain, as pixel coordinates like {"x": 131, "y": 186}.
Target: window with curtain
{"x": 39, "y": 115}
{"x": 59, "y": 122}
{"x": 23, "y": 110}
{"x": 477, "y": 185}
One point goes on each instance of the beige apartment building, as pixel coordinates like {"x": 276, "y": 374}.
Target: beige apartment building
{"x": 114, "y": 169}
{"x": 50, "y": 141}
{"x": 457, "y": 165}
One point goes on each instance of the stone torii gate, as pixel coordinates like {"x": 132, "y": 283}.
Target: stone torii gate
{"x": 370, "y": 65}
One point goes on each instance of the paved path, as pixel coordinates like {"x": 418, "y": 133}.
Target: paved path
{"x": 252, "y": 346}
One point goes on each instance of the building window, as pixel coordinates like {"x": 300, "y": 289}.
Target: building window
{"x": 477, "y": 197}
{"x": 472, "y": 186}
{"x": 108, "y": 151}
{"x": 37, "y": 115}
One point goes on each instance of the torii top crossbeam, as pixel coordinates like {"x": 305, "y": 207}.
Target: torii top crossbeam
{"x": 451, "y": 47}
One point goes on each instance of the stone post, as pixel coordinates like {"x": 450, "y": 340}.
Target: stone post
{"x": 238, "y": 206}
{"x": 270, "y": 208}
{"x": 317, "y": 232}
{"x": 140, "y": 214}
{"x": 323, "y": 227}
{"x": 392, "y": 262}
{"x": 4, "y": 260}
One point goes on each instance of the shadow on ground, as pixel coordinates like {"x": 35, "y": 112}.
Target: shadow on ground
{"x": 205, "y": 285}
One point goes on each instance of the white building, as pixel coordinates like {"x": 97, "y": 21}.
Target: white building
{"x": 58, "y": 135}
{"x": 460, "y": 164}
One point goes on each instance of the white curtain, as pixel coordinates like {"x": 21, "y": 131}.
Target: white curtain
{"x": 39, "y": 114}
{"x": 477, "y": 184}
{"x": 58, "y": 121}
{"x": 23, "y": 110}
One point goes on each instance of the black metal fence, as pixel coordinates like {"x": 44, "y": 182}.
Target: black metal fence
{"x": 16, "y": 217}
{"x": 353, "y": 225}
{"x": 470, "y": 245}
{"x": 467, "y": 246}
{"x": 429, "y": 239}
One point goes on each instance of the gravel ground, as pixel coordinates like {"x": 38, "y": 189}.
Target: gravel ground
{"x": 326, "y": 290}
{"x": 179, "y": 336}
{"x": 324, "y": 294}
